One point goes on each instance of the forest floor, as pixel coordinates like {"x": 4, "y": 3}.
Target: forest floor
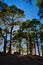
{"x": 20, "y": 60}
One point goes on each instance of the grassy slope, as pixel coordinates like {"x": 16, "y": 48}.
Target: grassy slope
{"x": 20, "y": 60}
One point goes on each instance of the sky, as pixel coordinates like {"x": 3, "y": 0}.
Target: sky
{"x": 29, "y": 10}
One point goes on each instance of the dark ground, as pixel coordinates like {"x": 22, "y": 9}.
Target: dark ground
{"x": 20, "y": 60}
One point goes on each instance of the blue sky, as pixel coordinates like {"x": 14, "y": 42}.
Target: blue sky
{"x": 29, "y": 10}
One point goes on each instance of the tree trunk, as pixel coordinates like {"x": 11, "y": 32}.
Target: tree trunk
{"x": 37, "y": 40}
{"x": 30, "y": 49}
{"x": 10, "y": 42}
{"x": 42, "y": 48}
{"x": 37, "y": 44}
{"x": 4, "y": 45}
{"x": 11, "y": 37}
{"x": 27, "y": 48}
{"x": 19, "y": 47}
{"x": 30, "y": 44}
{"x": 38, "y": 48}
{"x": 35, "y": 48}
{"x": 5, "y": 42}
